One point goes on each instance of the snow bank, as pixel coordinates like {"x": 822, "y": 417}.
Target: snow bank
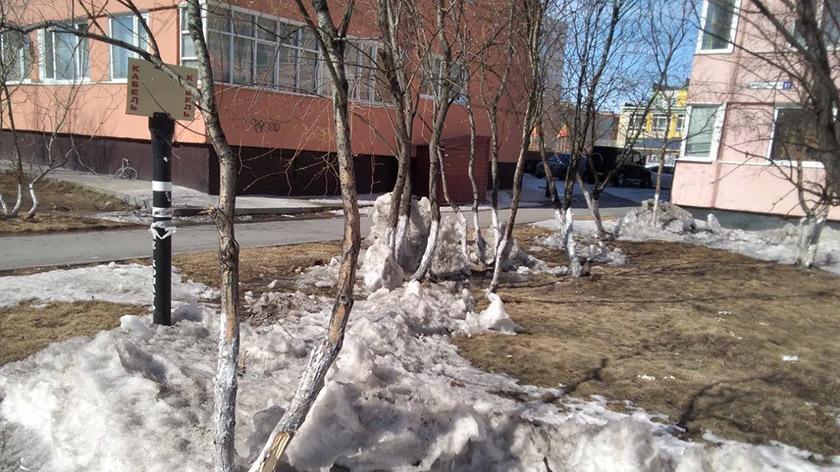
{"x": 380, "y": 269}
{"x": 321, "y": 276}
{"x": 670, "y": 218}
{"x": 139, "y": 397}
{"x": 118, "y": 283}
{"x": 417, "y": 230}
{"x": 278, "y": 307}
{"x": 596, "y": 251}
{"x": 777, "y": 244}
{"x": 450, "y": 260}
{"x": 493, "y": 318}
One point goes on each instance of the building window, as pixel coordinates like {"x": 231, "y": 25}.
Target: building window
{"x": 831, "y": 21}
{"x": 433, "y": 79}
{"x": 794, "y": 135}
{"x": 188, "y": 57}
{"x": 680, "y": 123}
{"x": 257, "y": 50}
{"x": 14, "y": 48}
{"x": 126, "y": 28}
{"x": 635, "y": 122}
{"x": 827, "y": 12}
{"x": 701, "y": 125}
{"x": 362, "y": 71}
{"x": 65, "y": 55}
{"x": 718, "y": 25}
{"x": 660, "y": 123}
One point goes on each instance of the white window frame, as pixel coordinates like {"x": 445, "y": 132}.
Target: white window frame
{"x": 321, "y": 78}
{"x": 183, "y": 32}
{"x": 785, "y": 162}
{"x": 716, "y": 132}
{"x": 460, "y": 98}
{"x": 364, "y": 45}
{"x": 730, "y": 45}
{"x": 635, "y": 116}
{"x": 136, "y": 41}
{"x": 24, "y": 63}
{"x": 654, "y": 129}
{"x": 680, "y": 126}
{"x": 42, "y": 57}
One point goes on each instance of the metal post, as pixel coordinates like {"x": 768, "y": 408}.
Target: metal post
{"x": 162, "y": 127}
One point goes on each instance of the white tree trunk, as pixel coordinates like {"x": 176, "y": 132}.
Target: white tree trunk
{"x": 34, "y": 208}
{"x": 592, "y": 204}
{"x": 399, "y": 242}
{"x": 810, "y": 229}
{"x": 561, "y": 221}
{"x": 495, "y": 229}
{"x": 480, "y": 245}
{"x": 501, "y": 254}
{"x": 324, "y": 355}
{"x": 575, "y": 268}
{"x": 224, "y": 389}
{"x": 656, "y": 195}
{"x": 18, "y": 202}
{"x": 429, "y": 252}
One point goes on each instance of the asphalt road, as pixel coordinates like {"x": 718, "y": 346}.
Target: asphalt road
{"x": 71, "y": 248}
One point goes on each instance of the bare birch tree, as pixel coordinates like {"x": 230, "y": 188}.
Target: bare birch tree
{"x": 442, "y": 73}
{"x": 401, "y": 83}
{"x": 332, "y": 40}
{"x": 530, "y": 19}
{"x": 493, "y": 87}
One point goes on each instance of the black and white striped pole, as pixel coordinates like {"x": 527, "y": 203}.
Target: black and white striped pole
{"x": 162, "y": 128}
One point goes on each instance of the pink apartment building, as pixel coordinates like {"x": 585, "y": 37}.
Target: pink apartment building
{"x": 740, "y": 111}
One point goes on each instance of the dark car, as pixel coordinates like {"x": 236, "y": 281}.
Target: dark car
{"x": 626, "y": 168}
{"x": 559, "y": 164}
{"x": 634, "y": 173}
{"x": 667, "y": 174}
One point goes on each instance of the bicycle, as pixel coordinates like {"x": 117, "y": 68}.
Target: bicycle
{"x": 126, "y": 171}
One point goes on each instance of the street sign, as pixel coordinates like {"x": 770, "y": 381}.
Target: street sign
{"x": 150, "y": 90}
{"x": 771, "y": 85}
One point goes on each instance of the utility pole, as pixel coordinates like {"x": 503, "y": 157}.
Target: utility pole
{"x": 152, "y": 93}
{"x": 162, "y": 128}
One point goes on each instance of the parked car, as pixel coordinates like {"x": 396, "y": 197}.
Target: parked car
{"x": 633, "y": 173}
{"x": 605, "y": 160}
{"x": 559, "y": 164}
{"x": 667, "y": 175}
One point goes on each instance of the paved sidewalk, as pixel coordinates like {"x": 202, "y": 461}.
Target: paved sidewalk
{"x": 139, "y": 192}
{"x": 60, "y": 249}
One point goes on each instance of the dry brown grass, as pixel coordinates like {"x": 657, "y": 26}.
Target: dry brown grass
{"x": 64, "y": 206}
{"x": 709, "y": 325}
{"x": 260, "y": 266}
{"x": 28, "y": 328}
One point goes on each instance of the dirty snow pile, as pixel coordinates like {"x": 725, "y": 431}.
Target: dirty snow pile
{"x": 676, "y": 224}
{"x": 109, "y": 283}
{"x": 587, "y": 248}
{"x": 380, "y": 268}
{"x": 139, "y": 397}
{"x": 493, "y": 318}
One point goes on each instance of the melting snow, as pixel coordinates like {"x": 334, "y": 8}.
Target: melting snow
{"x": 139, "y": 397}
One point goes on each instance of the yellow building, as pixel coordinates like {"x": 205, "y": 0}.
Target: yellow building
{"x": 662, "y": 128}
